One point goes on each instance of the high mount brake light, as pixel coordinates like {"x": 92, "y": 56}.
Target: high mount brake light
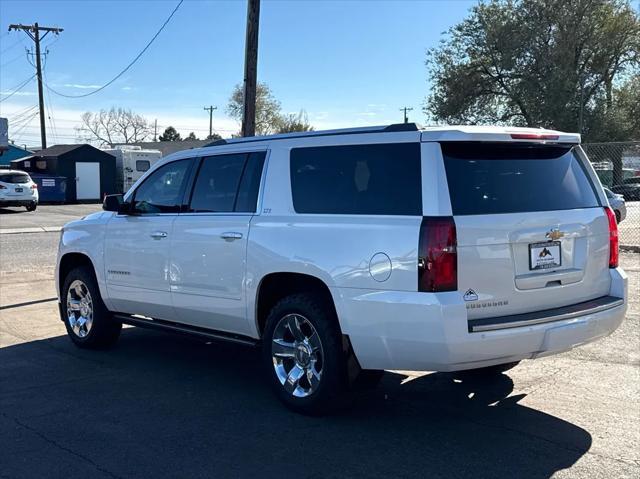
{"x": 533, "y": 136}
{"x": 437, "y": 255}
{"x": 613, "y": 238}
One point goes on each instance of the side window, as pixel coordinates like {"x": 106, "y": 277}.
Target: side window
{"x": 162, "y": 191}
{"x": 217, "y": 183}
{"x": 377, "y": 179}
{"x": 247, "y": 199}
{"x": 143, "y": 165}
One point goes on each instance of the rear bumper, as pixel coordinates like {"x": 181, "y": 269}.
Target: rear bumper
{"x": 430, "y": 332}
{"x": 17, "y": 202}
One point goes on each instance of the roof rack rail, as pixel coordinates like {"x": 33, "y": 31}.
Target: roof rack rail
{"x": 396, "y": 127}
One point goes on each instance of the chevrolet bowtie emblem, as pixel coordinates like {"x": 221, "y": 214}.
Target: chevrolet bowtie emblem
{"x": 554, "y": 234}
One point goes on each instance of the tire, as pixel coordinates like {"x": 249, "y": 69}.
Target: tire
{"x": 32, "y": 206}
{"x": 304, "y": 355}
{"x": 91, "y": 325}
{"x": 489, "y": 370}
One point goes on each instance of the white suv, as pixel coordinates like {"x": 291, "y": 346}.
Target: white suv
{"x": 18, "y": 189}
{"x": 348, "y": 252}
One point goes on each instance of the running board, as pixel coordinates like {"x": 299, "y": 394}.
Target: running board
{"x": 170, "y": 326}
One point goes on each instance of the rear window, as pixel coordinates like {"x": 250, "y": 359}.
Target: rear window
{"x": 490, "y": 178}
{"x": 14, "y": 178}
{"x": 379, "y": 179}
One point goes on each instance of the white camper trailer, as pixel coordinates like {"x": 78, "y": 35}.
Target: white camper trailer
{"x": 131, "y": 163}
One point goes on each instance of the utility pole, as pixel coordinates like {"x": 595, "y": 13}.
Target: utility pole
{"x": 34, "y": 33}
{"x": 210, "y": 110}
{"x": 251, "y": 68}
{"x": 155, "y": 130}
{"x": 405, "y": 110}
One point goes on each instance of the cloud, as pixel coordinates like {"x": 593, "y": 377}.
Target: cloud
{"x": 17, "y": 93}
{"x": 126, "y": 88}
{"x": 367, "y": 113}
{"x": 82, "y": 87}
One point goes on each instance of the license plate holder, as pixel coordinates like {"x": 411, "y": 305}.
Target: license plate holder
{"x": 546, "y": 255}
{"x": 19, "y": 190}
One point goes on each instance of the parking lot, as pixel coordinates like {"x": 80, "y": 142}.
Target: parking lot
{"x": 165, "y": 406}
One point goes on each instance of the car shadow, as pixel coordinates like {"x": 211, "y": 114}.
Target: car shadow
{"x": 7, "y": 211}
{"x": 158, "y": 405}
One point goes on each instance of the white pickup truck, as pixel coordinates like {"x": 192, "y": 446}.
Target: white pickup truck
{"x": 347, "y": 252}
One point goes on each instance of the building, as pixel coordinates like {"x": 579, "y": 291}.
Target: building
{"x": 13, "y": 152}
{"x": 168, "y": 147}
{"x": 90, "y": 173}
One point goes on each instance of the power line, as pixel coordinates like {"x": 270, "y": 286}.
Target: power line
{"x": 5, "y": 50}
{"x": 9, "y": 62}
{"x": 127, "y": 67}
{"x": 18, "y": 88}
{"x": 21, "y": 114}
{"x": 51, "y": 115}
{"x": 16, "y": 135}
{"x": 33, "y": 32}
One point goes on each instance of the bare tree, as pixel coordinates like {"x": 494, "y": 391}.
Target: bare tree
{"x": 114, "y": 126}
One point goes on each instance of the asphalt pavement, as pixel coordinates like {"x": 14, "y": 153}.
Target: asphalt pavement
{"x": 160, "y": 406}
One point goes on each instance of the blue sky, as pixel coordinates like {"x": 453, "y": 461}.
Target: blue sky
{"x": 346, "y": 63}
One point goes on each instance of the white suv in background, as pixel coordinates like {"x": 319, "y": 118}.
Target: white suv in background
{"x": 18, "y": 189}
{"x": 348, "y": 252}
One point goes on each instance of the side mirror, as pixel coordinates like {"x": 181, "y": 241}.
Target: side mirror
{"x": 112, "y": 203}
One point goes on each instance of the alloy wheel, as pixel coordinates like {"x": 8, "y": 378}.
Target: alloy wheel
{"x": 298, "y": 359}
{"x": 79, "y": 308}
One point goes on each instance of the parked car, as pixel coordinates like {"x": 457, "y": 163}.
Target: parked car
{"x": 18, "y": 189}
{"x": 617, "y": 204}
{"x": 630, "y": 189}
{"x": 347, "y": 252}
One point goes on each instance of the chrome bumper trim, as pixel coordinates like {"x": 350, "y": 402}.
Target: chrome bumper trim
{"x": 547, "y": 316}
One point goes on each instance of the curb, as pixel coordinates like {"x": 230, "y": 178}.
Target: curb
{"x": 35, "y": 229}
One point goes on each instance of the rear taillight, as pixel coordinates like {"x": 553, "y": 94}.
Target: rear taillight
{"x": 613, "y": 238}
{"x": 34, "y": 186}
{"x": 437, "y": 257}
{"x": 2, "y": 187}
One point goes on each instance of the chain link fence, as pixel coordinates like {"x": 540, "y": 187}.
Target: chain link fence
{"x": 618, "y": 166}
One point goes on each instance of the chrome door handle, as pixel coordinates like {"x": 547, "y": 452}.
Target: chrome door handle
{"x": 158, "y": 234}
{"x": 231, "y": 235}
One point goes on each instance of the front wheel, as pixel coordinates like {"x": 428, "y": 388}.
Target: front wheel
{"x": 88, "y": 322}
{"x": 304, "y": 355}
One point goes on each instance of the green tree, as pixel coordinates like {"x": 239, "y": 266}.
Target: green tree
{"x": 170, "y": 134}
{"x": 268, "y": 114}
{"x": 214, "y": 137}
{"x": 191, "y": 136}
{"x": 549, "y": 63}
{"x": 294, "y": 122}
